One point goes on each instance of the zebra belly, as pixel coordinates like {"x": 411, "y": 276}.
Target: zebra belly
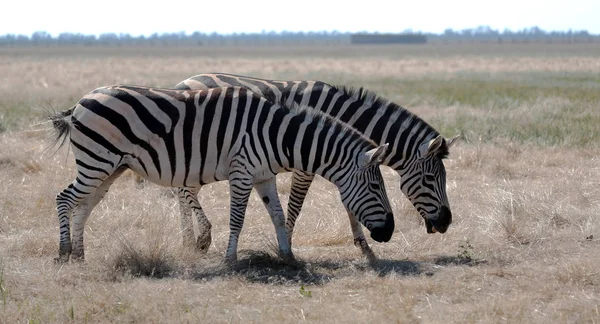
{"x": 191, "y": 177}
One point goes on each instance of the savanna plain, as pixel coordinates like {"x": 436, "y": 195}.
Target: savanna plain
{"x": 523, "y": 184}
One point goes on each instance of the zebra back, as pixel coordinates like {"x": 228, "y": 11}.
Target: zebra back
{"x": 379, "y": 119}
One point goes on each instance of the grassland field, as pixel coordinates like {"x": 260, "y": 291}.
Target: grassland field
{"x": 524, "y": 186}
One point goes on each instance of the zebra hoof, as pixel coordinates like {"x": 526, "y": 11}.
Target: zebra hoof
{"x": 62, "y": 259}
{"x": 202, "y": 244}
{"x": 371, "y": 257}
{"x": 230, "y": 261}
{"x": 79, "y": 259}
{"x": 364, "y": 247}
{"x": 64, "y": 254}
{"x": 295, "y": 264}
{"x": 289, "y": 258}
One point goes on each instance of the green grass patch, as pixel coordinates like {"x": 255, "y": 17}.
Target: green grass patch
{"x": 543, "y": 129}
{"x": 486, "y": 91}
{"x": 546, "y": 109}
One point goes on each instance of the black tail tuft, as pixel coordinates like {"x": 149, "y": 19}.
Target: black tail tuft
{"x": 62, "y": 126}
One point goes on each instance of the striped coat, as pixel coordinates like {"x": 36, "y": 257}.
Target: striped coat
{"x": 187, "y": 138}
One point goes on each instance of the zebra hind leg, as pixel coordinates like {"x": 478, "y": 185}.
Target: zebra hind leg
{"x": 82, "y": 212}
{"x": 240, "y": 187}
{"x": 267, "y": 190}
{"x": 300, "y": 184}
{"x": 359, "y": 238}
{"x": 66, "y": 201}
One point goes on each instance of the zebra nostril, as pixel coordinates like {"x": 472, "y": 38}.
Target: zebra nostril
{"x": 446, "y": 215}
{"x": 429, "y": 226}
{"x": 440, "y": 223}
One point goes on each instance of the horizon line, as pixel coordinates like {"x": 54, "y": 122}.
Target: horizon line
{"x": 479, "y": 30}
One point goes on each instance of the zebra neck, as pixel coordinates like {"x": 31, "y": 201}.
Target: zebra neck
{"x": 381, "y": 120}
{"x": 405, "y": 143}
{"x": 389, "y": 123}
{"x": 323, "y": 148}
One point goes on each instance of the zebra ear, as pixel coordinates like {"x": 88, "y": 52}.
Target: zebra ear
{"x": 431, "y": 147}
{"x": 453, "y": 140}
{"x": 373, "y": 156}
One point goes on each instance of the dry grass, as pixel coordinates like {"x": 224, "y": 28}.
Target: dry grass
{"x": 524, "y": 246}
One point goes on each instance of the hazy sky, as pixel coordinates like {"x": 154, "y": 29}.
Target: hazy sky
{"x": 147, "y": 17}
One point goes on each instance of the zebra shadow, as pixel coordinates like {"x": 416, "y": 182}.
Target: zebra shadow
{"x": 262, "y": 267}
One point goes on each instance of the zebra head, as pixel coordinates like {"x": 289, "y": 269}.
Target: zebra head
{"x": 364, "y": 195}
{"x": 424, "y": 183}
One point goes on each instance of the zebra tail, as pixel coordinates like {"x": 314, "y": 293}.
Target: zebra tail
{"x": 61, "y": 122}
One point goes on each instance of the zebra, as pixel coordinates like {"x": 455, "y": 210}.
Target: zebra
{"x": 416, "y": 153}
{"x": 188, "y": 138}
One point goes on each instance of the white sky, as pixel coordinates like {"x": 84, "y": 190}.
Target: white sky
{"x": 229, "y": 16}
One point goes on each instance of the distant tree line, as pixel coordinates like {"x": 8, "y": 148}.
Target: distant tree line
{"x": 409, "y": 38}
{"x": 480, "y": 34}
{"x": 533, "y": 34}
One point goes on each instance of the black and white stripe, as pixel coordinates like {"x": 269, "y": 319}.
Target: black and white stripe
{"x": 184, "y": 138}
{"x": 416, "y": 152}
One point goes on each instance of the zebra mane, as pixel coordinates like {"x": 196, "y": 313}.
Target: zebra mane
{"x": 325, "y": 119}
{"x": 363, "y": 95}
{"x": 368, "y": 97}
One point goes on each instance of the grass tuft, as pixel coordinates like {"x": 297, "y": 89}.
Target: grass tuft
{"x": 465, "y": 252}
{"x": 305, "y": 292}
{"x": 153, "y": 261}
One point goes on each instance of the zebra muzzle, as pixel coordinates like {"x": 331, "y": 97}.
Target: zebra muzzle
{"x": 430, "y": 228}
{"x": 384, "y": 233}
{"x": 441, "y": 223}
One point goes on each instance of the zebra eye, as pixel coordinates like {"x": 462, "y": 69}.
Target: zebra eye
{"x": 429, "y": 178}
{"x": 375, "y": 186}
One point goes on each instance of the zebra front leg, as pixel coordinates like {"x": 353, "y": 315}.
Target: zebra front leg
{"x": 83, "y": 211}
{"x": 301, "y": 182}
{"x": 204, "y": 228}
{"x": 240, "y": 189}
{"x": 188, "y": 202}
{"x": 359, "y": 238}
{"x": 267, "y": 190}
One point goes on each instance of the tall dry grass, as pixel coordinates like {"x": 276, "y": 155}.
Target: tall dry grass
{"x": 523, "y": 247}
